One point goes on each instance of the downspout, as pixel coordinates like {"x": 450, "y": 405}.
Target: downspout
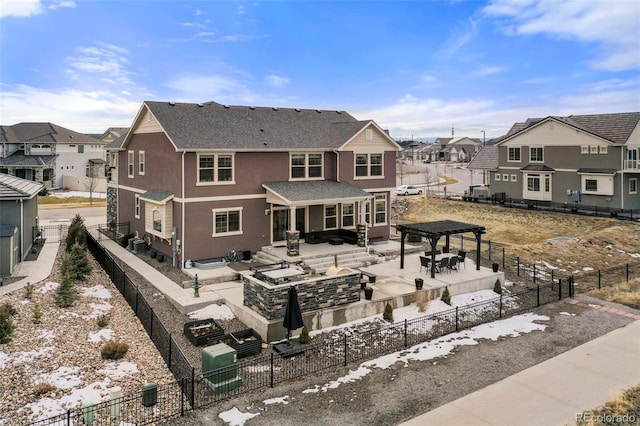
{"x": 622, "y": 198}
{"x": 184, "y": 234}
{"x": 21, "y": 231}
{"x": 335, "y": 151}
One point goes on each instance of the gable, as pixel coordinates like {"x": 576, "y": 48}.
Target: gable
{"x": 371, "y": 138}
{"x": 553, "y": 133}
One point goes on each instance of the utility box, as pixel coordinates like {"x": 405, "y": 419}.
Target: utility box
{"x": 219, "y": 368}
{"x": 149, "y": 394}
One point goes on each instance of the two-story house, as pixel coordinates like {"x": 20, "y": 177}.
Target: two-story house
{"x": 461, "y": 149}
{"x": 586, "y": 159}
{"x": 196, "y": 180}
{"x": 46, "y": 153}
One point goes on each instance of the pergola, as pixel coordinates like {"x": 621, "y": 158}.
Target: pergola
{"x": 433, "y": 231}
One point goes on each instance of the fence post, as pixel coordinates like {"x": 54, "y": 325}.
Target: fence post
{"x": 489, "y": 242}
{"x": 405, "y": 333}
{"x": 136, "y": 310}
{"x": 627, "y": 272}
{"x": 504, "y": 260}
{"x": 456, "y": 318}
{"x": 534, "y": 273}
{"x": 599, "y": 279}
{"x": 151, "y": 325}
{"x": 345, "y": 349}
{"x": 271, "y": 379}
{"x": 181, "y": 394}
{"x": 552, "y": 275}
{"x": 193, "y": 388}
{"x": 571, "y": 288}
{"x": 518, "y": 263}
{"x": 500, "y": 305}
{"x": 170, "y": 342}
{"x": 559, "y": 289}
{"x": 538, "y": 293}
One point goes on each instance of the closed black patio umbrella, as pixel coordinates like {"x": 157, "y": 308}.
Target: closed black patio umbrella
{"x": 292, "y": 313}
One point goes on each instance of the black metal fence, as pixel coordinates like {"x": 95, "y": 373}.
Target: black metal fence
{"x": 190, "y": 392}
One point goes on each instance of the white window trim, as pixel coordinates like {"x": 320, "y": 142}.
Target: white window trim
{"x": 368, "y": 176}
{"x": 584, "y": 149}
{"x": 226, "y": 210}
{"x": 497, "y": 177}
{"x": 603, "y": 149}
{"x": 505, "y": 177}
{"x": 215, "y": 169}
{"x": 514, "y": 178}
{"x": 136, "y": 212}
{"x": 536, "y": 148}
{"x": 141, "y": 164}
{"x": 386, "y": 210}
{"x": 542, "y": 194}
{"x": 306, "y": 166}
{"x": 130, "y": 163}
{"x": 324, "y": 216}
{"x": 514, "y": 148}
{"x": 593, "y": 149}
{"x": 605, "y": 184}
{"x": 353, "y": 215}
{"x": 635, "y": 180}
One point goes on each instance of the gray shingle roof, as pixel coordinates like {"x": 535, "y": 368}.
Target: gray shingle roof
{"x": 157, "y": 195}
{"x": 218, "y": 127}
{"x": 485, "y": 159}
{"x": 616, "y": 127}
{"x": 42, "y": 132}
{"x": 317, "y": 190}
{"x": 537, "y": 168}
{"x": 7, "y": 230}
{"x": 595, "y": 171}
{"x": 19, "y": 159}
{"x": 12, "y": 187}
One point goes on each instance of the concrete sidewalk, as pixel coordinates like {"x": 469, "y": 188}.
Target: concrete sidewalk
{"x": 553, "y": 392}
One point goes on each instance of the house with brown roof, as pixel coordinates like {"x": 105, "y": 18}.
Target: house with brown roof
{"x": 18, "y": 217}
{"x": 197, "y": 180}
{"x": 590, "y": 160}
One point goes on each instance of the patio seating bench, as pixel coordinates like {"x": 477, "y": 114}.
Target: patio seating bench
{"x": 318, "y": 237}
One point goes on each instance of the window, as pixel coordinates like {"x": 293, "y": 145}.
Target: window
{"x": 533, "y": 183}
{"x": 330, "y": 216}
{"x": 227, "y": 222}
{"x": 86, "y": 170}
{"x": 603, "y": 149}
{"x": 141, "y": 162}
{"x": 536, "y": 154}
{"x": 593, "y": 149}
{"x": 633, "y": 186}
{"x": 514, "y": 153}
{"x": 584, "y": 149}
{"x": 367, "y": 212}
{"x": 215, "y": 168}
{"x": 505, "y": 177}
{"x": 157, "y": 220}
{"x": 306, "y": 166}
{"x": 380, "y": 209}
{"x": 369, "y": 165}
{"x": 137, "y": 207}
{"x": 591, "y": 185}
{"x": 130, "y": 163}
{"x": 80, "y": 149}
{"x": 348, "y": 216}
{"x": 514, "y": 178}
{"x": 497, "y": 176}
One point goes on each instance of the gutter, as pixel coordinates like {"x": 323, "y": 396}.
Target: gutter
{"x": 335, "y": 151}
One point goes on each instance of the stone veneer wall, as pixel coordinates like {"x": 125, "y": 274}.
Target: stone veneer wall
{"x": 323, "y": 292}
{"x": 112, "y": 205}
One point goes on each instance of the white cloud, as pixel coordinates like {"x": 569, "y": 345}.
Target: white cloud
{"x": 611, "y": 25}
{"x": 63, "y": 4}
{"x": 20, "y": 8}
{"x": 489, "y": 70}
{"x": 106, "y": 59}
{"x": 276, "y": 81}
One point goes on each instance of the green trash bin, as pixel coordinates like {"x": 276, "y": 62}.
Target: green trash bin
{"x": 149, "y": 394}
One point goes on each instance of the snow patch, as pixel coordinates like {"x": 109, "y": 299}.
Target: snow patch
{"x": 221, "y": 312}
{"x": 235, "y": 417}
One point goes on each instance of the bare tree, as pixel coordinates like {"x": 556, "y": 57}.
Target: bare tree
{"x": 90, "y": 185}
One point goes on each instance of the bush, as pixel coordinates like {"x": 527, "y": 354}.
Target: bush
{"x": 42, "y": 389}
{"x": 66, "y": 294}
{"x": 497, "y": 287}
{"x": 43, "y": 192}
{"x": 114, "y": 350}
{"x": 29, "y": 290}
{"x": 76, "y": 234}
{"x": 446, "y": 297}
{"x": 8, "y": 308}
{"x": 80, "y": 266}
{"x": 37, "y": 314}
{"x": 6, "y": 325}
{"x": 388, "y": 313}
{"x": 103, "y": 321}
{"x": 304, "y": 336}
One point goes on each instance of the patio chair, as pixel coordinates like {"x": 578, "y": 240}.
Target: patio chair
{"x": 443, "y": 264}
{"x": 453, "y": 263}
{"x": 462, "y": 255}
{"x": 425, "y": 262}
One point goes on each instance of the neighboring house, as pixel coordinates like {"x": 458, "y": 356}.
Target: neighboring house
{"x": 587, "y": 159}
{"x": 457, "y": 150}
{"x": 18, "y": 216}
{"x": 196, "y": 180}
{"x": 485, "y": 161}
{"x": 46, "y": 153}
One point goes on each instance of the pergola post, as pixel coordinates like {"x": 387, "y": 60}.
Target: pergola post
{"x": 403, "y": 234}
{"x": 478, "y": 248}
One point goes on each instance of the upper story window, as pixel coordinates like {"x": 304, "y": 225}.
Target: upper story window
{"x": 603, "y": 149}
{"x": 130, "y": 160}
{"x": 215, "y": 168}
{"x": 594, "y": 149}
{"x": 369, "y": 165}
{"x": 306, "y": 166}
{"x": 584, "y": 149}
{"x": 514, "y": 153}
{"x": 80, "y": 149}
{"x": 536, "y": 154}
{"x": 141, "y": 162}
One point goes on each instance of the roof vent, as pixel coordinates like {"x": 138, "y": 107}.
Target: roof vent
{"x": 227, "y": 106}
{"x": 298, "y": 109}
{"x": 172, "y": 103}
{"x": 200, "y": 105}
{"x": 275, "y": 109}
{"x": 262, "y": 130}
{"x": 318, "y": 111}
{"x": 252, "y": 107}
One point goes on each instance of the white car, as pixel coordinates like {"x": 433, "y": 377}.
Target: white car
{"x": 408, "y": 190}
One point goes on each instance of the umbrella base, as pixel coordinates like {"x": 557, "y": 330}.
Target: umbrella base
{"x": 290, "y": 348}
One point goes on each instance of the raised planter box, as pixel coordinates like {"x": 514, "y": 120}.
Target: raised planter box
{"x": 246, "y": 342}
{"x": 203, "y": 332}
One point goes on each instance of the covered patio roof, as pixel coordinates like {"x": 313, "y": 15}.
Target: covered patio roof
{"x": 316, "y": 192}
{"x": 433, "y": 231}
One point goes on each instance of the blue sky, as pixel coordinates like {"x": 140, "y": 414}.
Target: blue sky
{"x": 415, "y": 67}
